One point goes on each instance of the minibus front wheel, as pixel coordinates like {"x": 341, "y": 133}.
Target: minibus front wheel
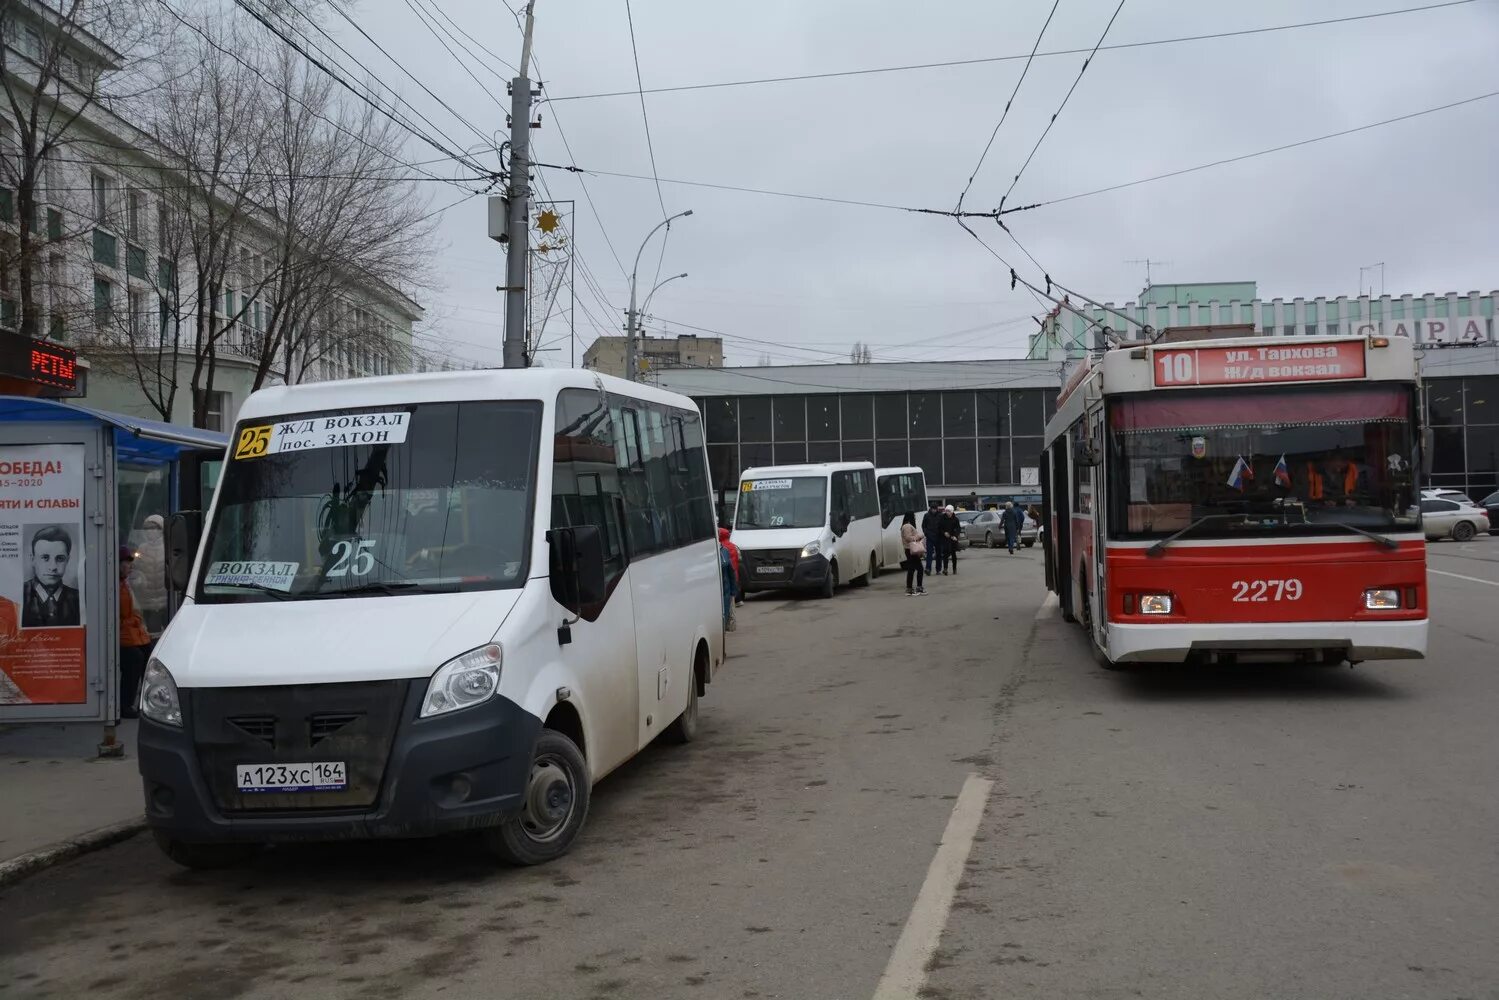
{"x": 205, "y": 857}
{"x": 553, "y": 809}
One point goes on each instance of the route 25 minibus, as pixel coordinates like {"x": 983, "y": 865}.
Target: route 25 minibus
{"x": 808, "y": 527}
{"x": 431, "y": 603}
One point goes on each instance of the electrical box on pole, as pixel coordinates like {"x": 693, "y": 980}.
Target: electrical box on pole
{"x": 499, "y": 218}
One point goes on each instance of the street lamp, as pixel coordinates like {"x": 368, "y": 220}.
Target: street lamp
{"x": 630, "y": 364}
{"x": 645, "y": 308}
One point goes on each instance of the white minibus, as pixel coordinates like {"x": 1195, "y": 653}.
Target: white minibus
{"x": 808, "y": 527}
{"x": 431, "y": 603}
{"x": 902, "y": 491}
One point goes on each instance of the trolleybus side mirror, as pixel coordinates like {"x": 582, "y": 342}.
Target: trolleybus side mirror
{"x": 184, "y": 529}
{"x": 577, "y": 566}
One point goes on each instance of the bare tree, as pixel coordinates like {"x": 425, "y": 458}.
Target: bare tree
{"x": 343, "y": 214}
{"x": 58, "y": 61}
{"x": 860, "y": 354}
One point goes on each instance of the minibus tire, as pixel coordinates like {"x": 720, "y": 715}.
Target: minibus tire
{"x": 205, "y": 857}
{"x": 864, "y": 581}
{"x": 830, "y": 581}
{"x": 684, "y": 728}
{"x": 511, "y": 841}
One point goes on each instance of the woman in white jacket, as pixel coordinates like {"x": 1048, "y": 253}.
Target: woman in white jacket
{"x": 914, "y": 547}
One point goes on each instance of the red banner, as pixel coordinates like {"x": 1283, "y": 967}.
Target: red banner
{"x": 1271, "y": 362}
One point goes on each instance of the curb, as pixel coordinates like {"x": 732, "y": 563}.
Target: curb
{"x": 18, "y": 868}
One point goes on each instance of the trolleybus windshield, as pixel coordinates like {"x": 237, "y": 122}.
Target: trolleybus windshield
{"x": 1262, "y": 461}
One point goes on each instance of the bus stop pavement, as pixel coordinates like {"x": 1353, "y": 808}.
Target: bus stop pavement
{"x": 59, "y": 798}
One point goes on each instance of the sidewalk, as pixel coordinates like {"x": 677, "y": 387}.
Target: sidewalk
{"x": 60, "y": 799}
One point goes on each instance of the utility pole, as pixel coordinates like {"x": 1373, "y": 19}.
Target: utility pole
{"x": 518, "y": 251}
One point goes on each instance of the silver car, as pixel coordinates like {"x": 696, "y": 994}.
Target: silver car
{"x": 987, "y": 528}
{"x": 1452, "y": 515}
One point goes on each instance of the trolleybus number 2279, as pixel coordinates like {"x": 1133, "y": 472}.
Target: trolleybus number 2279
{"x": 1260, "y": 591}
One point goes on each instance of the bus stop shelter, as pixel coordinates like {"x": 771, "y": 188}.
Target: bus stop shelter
{"x": 76, "y": 484}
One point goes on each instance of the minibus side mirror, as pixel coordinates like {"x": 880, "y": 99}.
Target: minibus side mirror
{"x": 184, "y": 530}
{"x": 840, "y": 524}
{"x": 577, "y": 566}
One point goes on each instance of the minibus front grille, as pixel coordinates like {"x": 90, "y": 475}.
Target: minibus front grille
{"x": 354, "y": 724}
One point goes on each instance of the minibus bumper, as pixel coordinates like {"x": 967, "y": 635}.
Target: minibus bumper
{"x": 806, "y": 573}
{"x": 444, "y": 774}
{"x": 1169, "y": 642}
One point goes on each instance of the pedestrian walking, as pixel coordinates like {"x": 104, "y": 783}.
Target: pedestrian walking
{"x": 726, "y": 573}
{"x": 931, "y": 530}
{"x": 135, "y": 641}
{"x": 951, "y": 531}
{"x": 914, "y": 546}
{"x": 1013, "y": 520}
{"x": 723, "y": 539}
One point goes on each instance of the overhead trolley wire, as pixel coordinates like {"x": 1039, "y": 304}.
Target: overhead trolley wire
{"x": 985, "y": 60}
{"x": 1070, "y": 90}
{"x": 1008, "y": 104}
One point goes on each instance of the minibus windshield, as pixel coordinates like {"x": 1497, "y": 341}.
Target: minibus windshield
{"x": 782, "y": 502}
{"x": 390, "y": 499}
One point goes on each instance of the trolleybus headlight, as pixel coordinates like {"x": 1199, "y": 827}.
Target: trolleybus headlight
{"x": 464, "y": 681}
{"x": 159, "y": 701}
{"x": 1382, "y": 599}
{"x": 1155, "y": 604}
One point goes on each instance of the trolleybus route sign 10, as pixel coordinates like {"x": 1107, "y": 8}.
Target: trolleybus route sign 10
{"x": 1342, "y": 359}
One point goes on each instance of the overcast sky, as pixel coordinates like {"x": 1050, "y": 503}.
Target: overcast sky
{"x": 810, "y": 278}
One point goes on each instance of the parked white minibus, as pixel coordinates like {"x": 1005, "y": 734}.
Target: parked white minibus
{"x": 901, "y": 491}
{"x": 431, "y": 603}
{"x": 808, "y": 527}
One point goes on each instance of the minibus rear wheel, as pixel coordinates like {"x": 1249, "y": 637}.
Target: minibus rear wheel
{"x": 205, "y": 857}
{"x": 553, "y": 808}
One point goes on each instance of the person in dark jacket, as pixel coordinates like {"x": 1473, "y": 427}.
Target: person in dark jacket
{"x": 951, "y": 530}
{"x": 931, "y": 530}
{"x": 1013, "y": 520}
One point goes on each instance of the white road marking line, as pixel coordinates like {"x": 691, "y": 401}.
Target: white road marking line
{"x": 1459, "y": 576}
{"x": 1047, "y": 607}
{"x": 905, "y": 973}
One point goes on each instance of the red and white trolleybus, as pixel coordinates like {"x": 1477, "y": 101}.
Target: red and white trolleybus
{"x": 1253, "y": 499}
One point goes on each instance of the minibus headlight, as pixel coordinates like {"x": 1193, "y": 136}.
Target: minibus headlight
{"x": 811, "y": 549}
{"x": 1382, "y": 599}
{"x": 1155, "y": 604}
{"x": 159, "y": 701}
{"x": 464, "y": 681}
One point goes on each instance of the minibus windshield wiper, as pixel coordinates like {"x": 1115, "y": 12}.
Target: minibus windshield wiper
{"x": 259, "y": 588}
{"x": 1160, "y": 546}
{"x": 389, "y": 588}
{"x": 1384, "y": 540}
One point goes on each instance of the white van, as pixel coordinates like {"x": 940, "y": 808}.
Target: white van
{"x": 432, "y": 603}
{"x": 901, "y": 491}
{"x": 807, "y": 527}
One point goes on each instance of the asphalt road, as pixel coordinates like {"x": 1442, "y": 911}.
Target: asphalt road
{"x": 1317, "y": 832}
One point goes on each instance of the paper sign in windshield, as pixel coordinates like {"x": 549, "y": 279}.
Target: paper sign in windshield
{"x": 342, "y": 431}
{"x": 252, "y": 573}
{"x": 767, "y": 484}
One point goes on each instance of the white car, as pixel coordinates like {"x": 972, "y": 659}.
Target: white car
{"x": 1450, "y": 514}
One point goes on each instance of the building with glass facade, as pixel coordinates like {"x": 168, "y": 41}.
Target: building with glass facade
{"x": 972, "y": 427}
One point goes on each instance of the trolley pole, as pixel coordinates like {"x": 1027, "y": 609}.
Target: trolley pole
{"x": 518, "y": 253}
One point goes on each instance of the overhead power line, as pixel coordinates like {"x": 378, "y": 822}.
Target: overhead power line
{"x": 640, "y": 90}
{"x": 1008, "y": 104}
{"x": 1070, "y": 90}
{"x": 1249, "y": 156}
{"x": 1040, "y": 204}
{"x": 985, "y": 60}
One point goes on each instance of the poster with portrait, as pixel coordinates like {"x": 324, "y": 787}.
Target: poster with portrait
{"x": 42, "y": 612}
